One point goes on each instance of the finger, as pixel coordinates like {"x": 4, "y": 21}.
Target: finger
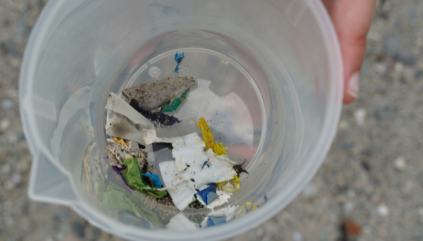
{"x": 352, "y": 21}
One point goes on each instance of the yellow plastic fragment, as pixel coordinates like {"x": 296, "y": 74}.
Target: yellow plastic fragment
{"x": 207, "y": 134}
{"x": 208, "y": 137}
{"x": 119, "y": 141}
{"x": 219, "y": 149}
{"x": 251, "y": 206}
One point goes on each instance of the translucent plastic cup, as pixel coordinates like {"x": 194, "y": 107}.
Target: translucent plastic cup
{"x": 269, "y": 76}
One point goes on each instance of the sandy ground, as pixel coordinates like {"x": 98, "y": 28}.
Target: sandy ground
{"x": 371, "y": 176}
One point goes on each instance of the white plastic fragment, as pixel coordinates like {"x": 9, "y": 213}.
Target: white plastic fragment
{"x": 187, "y": 150}
{"x": 218, "y": 169}
{"x": 229, "y": 212}
{"x": 181, "y": 223}
{"x": 181, "y": 195}
{"x": 125, "y": 122}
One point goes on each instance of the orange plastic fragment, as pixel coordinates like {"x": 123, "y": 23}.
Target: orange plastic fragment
{"x": 119, "y": 140}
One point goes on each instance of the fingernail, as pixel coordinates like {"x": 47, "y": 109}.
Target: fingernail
{"x": 354, "y": 85}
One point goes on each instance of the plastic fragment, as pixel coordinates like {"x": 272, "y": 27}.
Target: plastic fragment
{"x": 157, "y": 93}
{"x": 178, "y": 58}
{"x": 119, "y": 170}
{"x": 155, "y": 178}
{"x": 115, "y": 198}
{"x": 208, "y": 194}
{"x": 244, "y": 209}
{"x": 174, "y": 105}
{"x": 134, "y": 178}
{"x": 209, "y": 138}
{"x": 230, "y": 186}
{"x": 158, "y": 118}
{"x": 187, "y": 150}
{"x": 125, "y": 122}
{"x": 206, "y": 163}
{"x": 213, "y": 221}
{"x": 220, "y": 170}
{"x": 119, "y": 141}
{"x": 181, "y": 195}
{"x": 207, "y": 134}
{"x": 222, "y": 199}
{"x": 181, "y": 223}
{"x": 228, "y": 212}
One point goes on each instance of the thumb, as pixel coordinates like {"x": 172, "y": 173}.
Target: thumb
{"x": 352, "y": 21}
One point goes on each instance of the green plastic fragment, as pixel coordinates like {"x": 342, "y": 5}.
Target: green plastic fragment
{"x": 115, "y": 198}
{"x": 132, "y": 175}
{"x": 174, "y": 105}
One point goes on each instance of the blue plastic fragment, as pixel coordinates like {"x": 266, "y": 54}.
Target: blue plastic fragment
{"x": 205, "y": 163}
{"x": 156, "y": 179}
{"x": 208, "y": 192}
{"x": 212, "y": 221}
{"x": 178, "y": 58}
{"x": 211, "y": 196}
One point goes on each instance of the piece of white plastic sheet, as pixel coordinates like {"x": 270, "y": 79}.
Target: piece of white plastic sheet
{"x": 125, "y": 122}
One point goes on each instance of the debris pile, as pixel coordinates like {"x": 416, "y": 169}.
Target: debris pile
{"x": 201, "y": 174}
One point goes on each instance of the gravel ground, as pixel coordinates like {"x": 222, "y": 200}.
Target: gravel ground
{"x": 370, "y": 177}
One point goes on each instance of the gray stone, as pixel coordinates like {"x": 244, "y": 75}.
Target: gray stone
{"x": 393, "y": 45}
{"x": 78, "y": 229}
{"x": 405, "y": 58}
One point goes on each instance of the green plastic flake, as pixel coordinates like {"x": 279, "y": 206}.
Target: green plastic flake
{"x": 174, "y": 105}
{"x": 116, "y": 198}
{"x": 134, "y": 178}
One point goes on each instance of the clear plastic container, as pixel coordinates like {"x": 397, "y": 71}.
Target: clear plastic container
{"x": 270, "y": 85}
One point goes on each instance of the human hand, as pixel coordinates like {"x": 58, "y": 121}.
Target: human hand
{"x": 351, "y": 19}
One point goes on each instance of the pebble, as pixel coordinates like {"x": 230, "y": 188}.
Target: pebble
{"x": 393, "y": 44}
{"x": 297, "y": 236}
{"x": 343, "y": 125}
{"x": 7, "y": 104}
{"x": 78, "y": 229}
{"x": 23, "y": 165}
{"x": 406, "y": 58}
{"x": 311, "y": 190}
{"x": 61, "y": 215}
{"x": 418, "y": 74}
{"x": 359, "y": 116}
{"x": 400, "y": 163}
{"x": 398, "y": 67}
{"x": 6, "y": 169}
{"x": 352, "y": 228}
{"x": 347, "y": 208}
{"x": 9, "y": 185}
{"x": 380, "y": 68}
{"x": 16, "y": 178}
{"x": 4, "y": 124}
{"x": 383, "y": 210}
